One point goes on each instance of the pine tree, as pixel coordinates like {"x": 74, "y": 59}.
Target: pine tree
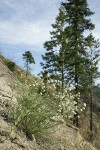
{"x": 55, "y": 50}
{"x": 29, "y": 59}
{"x": 92, "y": 71}
{"x": 66, "y": 52}
{"x": 77, "y": 13}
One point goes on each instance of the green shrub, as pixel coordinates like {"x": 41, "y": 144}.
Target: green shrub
{"x": 32, "y": 114}
{"x": 11, "y": 65}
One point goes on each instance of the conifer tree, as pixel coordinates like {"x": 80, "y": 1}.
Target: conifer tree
{"x": 92, "y": 71}
{"x": 29, "y": 59}
{"x": 55, "y": 50}
{"x": 68, "y": 48}
{"x": 77, "y": 13}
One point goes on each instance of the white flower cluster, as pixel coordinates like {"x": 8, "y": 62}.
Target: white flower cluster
{"x": 67, "y": 106}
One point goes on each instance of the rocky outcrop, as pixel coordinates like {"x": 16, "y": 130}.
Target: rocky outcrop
{"x": 10, "y": 137}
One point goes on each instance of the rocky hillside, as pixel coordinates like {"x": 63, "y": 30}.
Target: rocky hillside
{"x": 10, "y": 139}
{"x": 63, "y": 137}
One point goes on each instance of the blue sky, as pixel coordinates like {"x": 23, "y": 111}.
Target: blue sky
{"x": 25, "y": 25}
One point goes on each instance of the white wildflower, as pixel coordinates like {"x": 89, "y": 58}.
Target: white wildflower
{"x": 81, "y": 110}
{"x": 84, "y": 104}
{"x": 78, "y": 116}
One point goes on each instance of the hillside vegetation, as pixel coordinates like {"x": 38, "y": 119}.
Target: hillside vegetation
{"x": 40, "y": 116}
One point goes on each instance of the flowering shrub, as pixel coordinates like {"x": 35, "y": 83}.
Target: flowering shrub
{"x": 64, "y": 103}
{"x": 68, "y": 107}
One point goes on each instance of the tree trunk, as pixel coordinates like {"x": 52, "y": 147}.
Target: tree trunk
{"x": 27, "y": 71}
{"x": 76, "y": 122}
{"x": 91, "y": 109}
{"x": 62, "y": 77}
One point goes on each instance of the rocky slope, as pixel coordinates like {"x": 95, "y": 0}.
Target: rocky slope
{"x": 10, "y": 138}
{"x": 63, "y": 137}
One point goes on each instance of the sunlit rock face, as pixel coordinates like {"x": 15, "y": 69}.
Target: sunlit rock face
{"x": 7, "y": 83}
{"x": 10, "y": 137}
